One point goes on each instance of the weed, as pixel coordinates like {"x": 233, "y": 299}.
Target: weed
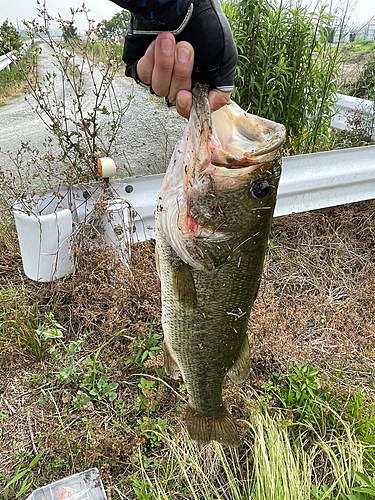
{"x": 145, "y": 348}
{"x": 153, "y": 432}
{"x": 22, "y": 479}
{"x": 104, "y": 389}
{"x": 144, "y": 400}
{"x": 19, "y": 320}
{"x": 36, "y": 380}
{"x": 365, "y": 489}
{"x": 66, "y": 358}
{"x": 299, "y": 391}
{"x": 286, "y": 69}
{"x": 141, "y": 487}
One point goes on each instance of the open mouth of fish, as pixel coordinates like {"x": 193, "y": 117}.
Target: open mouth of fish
{"x": 219, "y": 153}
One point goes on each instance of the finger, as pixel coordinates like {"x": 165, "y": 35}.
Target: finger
{"x": 184, "y": 102}
{"x": 146, "y": 64}
{"x": 163, "y": 63}
{"x": 183, "y": 67}
{"x": 218, "y": 99}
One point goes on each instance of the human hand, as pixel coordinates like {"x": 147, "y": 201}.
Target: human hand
{"x": 171, "y": 62}
{"x": 167, "y": 67}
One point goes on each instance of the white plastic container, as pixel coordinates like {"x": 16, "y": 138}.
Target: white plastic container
{"x": 116, "y": 228}
{"x": 85, "y": 485}
{"x": 44, "y": 228}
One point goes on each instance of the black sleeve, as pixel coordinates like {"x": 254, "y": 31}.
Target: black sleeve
{"x": 157, "y": 12}
{"x": 206, "y": 28}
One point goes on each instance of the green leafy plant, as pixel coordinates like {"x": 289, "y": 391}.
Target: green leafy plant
{"x": 141, "y": 487}
{"x": 22, "y": 479}
{"x": 10, "y": 39}
{"x": 299, "y": 392}
{"x": 145, "y": 348}
{"x": 365, "y": 489}
{"x": 104, "y": 389}
{"x": 287, "y": 69}
{"x": 152, "y": 431}
{"x": 144, "y": 401}
{"x": 65, "y": 356}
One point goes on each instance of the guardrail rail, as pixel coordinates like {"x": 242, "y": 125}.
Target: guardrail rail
{"x": 7, "y": 59}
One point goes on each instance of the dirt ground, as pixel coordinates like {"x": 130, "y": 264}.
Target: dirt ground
{"x": 316, "y": 304}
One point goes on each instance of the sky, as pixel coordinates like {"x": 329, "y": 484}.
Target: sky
{"x": 18, "y": 10}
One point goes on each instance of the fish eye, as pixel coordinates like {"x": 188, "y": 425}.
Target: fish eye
{"x": 260, "y": 189}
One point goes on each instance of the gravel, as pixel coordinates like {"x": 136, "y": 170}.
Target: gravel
{"x": 143, "y": 145}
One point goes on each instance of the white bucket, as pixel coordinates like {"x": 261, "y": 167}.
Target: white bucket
{"x": 44, "y": 229}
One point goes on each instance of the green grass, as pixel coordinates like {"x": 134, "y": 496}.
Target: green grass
{"x": 100, "y": 51}
{"x": 352, "y": 50}
{"x": 13, "y": 78}
{"x": 270, "y": 466}
{"x": 19, "y": 320}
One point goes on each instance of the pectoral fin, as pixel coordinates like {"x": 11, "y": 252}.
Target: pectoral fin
{"x": 240, "y": 370}
{"x": 184, "y": 286}
{"x": 170, "y": 366}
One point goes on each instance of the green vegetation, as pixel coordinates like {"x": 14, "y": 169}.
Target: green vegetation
{"x": 286, "y": 69}
{"x": 116, "y": 27}
{"x": 10, "y": 39}
{"x": 365, "y": 86}
{"x": 350, "y": 51}
{"x": 69, "y": 32}
{"x": 12, "y": 80}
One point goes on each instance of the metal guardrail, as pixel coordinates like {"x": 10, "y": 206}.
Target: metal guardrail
{"x": 352, "y": 112}
{"x": 7, "y": 59}
{"x": 308, "y": 182}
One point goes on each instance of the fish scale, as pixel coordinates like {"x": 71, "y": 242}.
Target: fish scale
{"x": 212, "y": 226}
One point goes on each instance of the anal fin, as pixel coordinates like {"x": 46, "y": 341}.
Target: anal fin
{"x": 170, "y": 366}
{"x": 240, "y": 370}
{"x": 205, "y": 429}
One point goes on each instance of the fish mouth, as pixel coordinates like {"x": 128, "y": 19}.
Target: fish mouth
{"x": 244, "y": 139}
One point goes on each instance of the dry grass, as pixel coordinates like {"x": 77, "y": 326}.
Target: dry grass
{"x": 316, "y": 304}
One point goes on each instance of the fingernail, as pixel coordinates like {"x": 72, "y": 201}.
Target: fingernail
{"x": 181, "y": 102}
{"x": 166, "y": 46}
{"x": 183, "y": 55}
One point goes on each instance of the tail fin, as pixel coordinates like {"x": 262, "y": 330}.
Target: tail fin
{"x": 205, "y": 429}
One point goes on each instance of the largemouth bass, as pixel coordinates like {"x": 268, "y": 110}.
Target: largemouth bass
{"x": 213, "y": 218}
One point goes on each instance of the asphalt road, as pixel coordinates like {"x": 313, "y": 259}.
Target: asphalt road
{"x": 144, "y": 144}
